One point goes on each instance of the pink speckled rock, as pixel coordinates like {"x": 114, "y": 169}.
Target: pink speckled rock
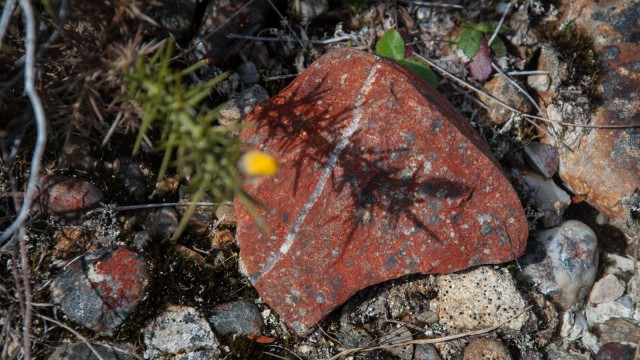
{"x": 63, "y": 195}
{"x": 380, "y": 177}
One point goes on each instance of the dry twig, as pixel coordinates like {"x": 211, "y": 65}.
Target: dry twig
{"x": 431, "y": 341}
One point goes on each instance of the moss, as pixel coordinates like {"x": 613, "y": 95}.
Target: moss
{"x": 575, "y": 48}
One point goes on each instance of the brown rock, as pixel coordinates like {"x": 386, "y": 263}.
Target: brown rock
{"x": 618, "y": 330}
{"x": 64, "y": 195}
{"x": 508, "y": 93}
{"x": 606, "y": 164}
{"x": 380, "y": 177}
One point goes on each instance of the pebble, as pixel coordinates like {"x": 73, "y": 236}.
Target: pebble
{"x": 599, "y": 313}
{"x": 162, "y": 223}
{"x": 100, "y": 289}
{"x": 180, "y": 332}
{"x": 505, "y": 91}
{"x": 562, "y": 262}
{"x": 347, "y": 217}
{"x": 132, "y": 177}
{"x": 549, "y": 200}
{"x": 540, "y": 82}
{"x": 607, "y": 289}
{"x": 63, "y": 195}
{"x": 426, "y": 352}
{"x": 236, "y": 109}
{"x": 77, "y": 154}
{"x": 543, "y": 158}
{"x": 226, "y": 213}
{"x": 616, "y": 351}
{"x": 486, "y": 349}
{"x": 248, "y": 73}
{"x": 618, "y": 330}
{"x": 80, "y": 351}
{"x": 479, "y": 298}
{"x": 239, "y": 317}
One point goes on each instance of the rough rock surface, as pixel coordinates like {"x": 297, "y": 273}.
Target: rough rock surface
{"x": 182, "y": 332}
{"x": 100, "y": 289}
{"x": 238, "y": 317}
{"x": 562, "y": 262}
{"x": 548, "y": 199}
{"x": 607, "y": 289}
{"x": 482, "y": 297}
{"x": 606, "y": 164}
{"x": 380, "y": 177}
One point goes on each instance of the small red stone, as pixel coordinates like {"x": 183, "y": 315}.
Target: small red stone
{"x": 379, "y": 177}
{"x": 63, "y": 195}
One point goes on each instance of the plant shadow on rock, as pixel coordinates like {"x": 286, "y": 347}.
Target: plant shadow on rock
{"x": 376, "y": 179}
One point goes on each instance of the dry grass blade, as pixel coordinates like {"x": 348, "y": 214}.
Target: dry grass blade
{"x": 82, "y": 338}
{"x": 431, "y": 341}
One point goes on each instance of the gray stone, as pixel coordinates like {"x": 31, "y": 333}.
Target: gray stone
{"x": 248, "y": 73}
{"x": 479, "y": 298}
{"x": 182, "y": 333}
{"x": 426, "y": 352}
{"x": 175, "y": 15}
{"x": 236, "y": 109}
{"x": 162, "y": 223}
{"x": 562, "y": 262}
{"x": 543, "y": 158}
{"x": 238, "y": 317}
{"x": 548, "y": 198}
{"x": 607, "y": 289}
{"x": 600, "y": 313}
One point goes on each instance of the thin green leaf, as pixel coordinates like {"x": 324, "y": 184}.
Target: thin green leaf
{"x": 421, "y": 69}
{"x": 490, "y": 27}
{"x": 470, "y": 42}
{"x": 391, "y": 45}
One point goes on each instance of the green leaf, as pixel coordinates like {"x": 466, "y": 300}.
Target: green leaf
{"x": 490, "y": 27}
{"x": 421, "y": 69}
{"x": 498, "y": 47}
{"x": 391, "y": 45}
{"x": 470, "y": 42}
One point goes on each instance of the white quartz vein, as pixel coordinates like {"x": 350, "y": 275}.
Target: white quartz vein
{"x": 326, "y": 171}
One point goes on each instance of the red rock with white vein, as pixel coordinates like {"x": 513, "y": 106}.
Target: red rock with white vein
{"x": 379, "y": 177}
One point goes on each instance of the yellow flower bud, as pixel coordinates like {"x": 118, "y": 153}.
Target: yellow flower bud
{"x": 257, "y": 163}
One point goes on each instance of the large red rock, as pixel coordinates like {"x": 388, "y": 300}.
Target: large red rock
{"x": 380, "y": 177}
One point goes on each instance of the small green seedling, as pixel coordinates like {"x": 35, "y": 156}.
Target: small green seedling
{"x": 474, "y": 42}
{"x": 391, "y": 45}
